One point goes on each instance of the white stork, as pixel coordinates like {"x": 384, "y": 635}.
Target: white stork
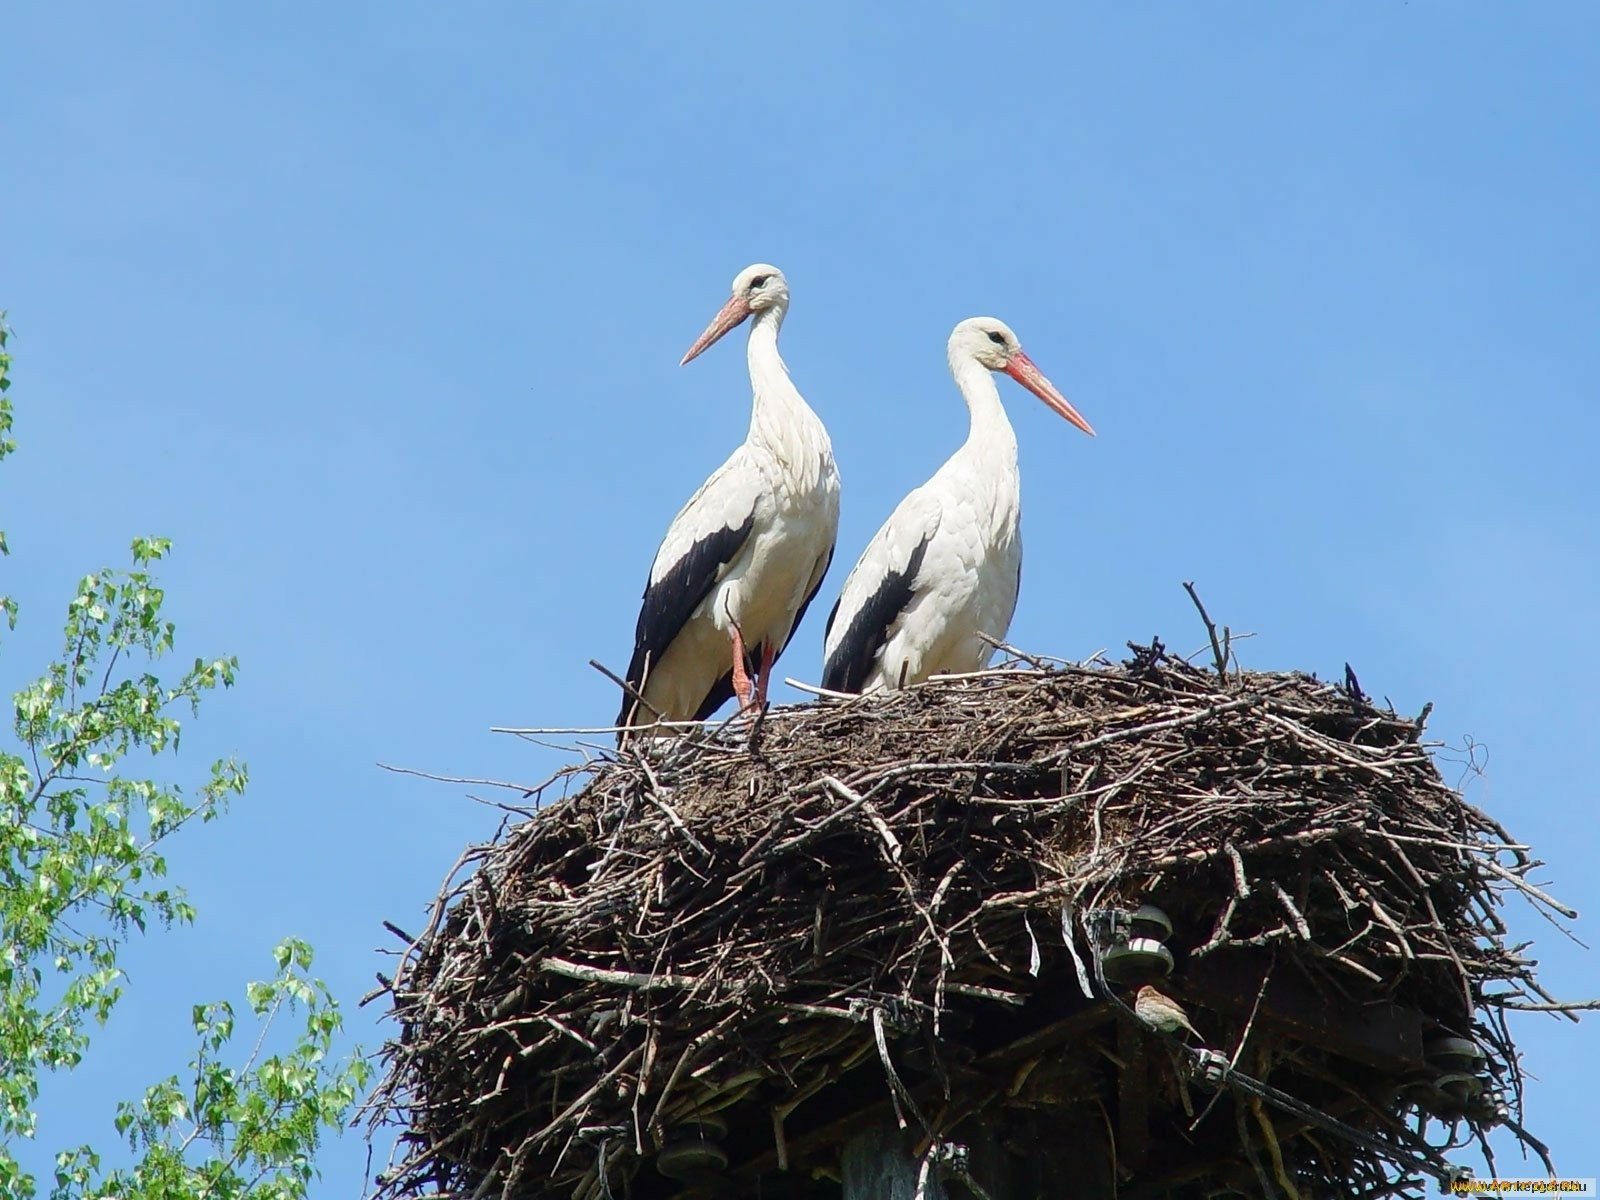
{"x": 947, "y": 564}
{"x": 743, "y": 559}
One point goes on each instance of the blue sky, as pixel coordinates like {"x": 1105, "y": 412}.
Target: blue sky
{"x": 376, "y": 310}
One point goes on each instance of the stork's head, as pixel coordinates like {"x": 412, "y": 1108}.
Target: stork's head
{"x": 756, "y": 289}
{"x": 991, "y": 343}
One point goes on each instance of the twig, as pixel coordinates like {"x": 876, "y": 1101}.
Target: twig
{"x": 1560, "y": 1006}
{"x": 1494, "y": 868}
{"x": 986, "y": 993}
{"x": 898, "y": 1092}
{"x": 655, "y": 797}
{"x": 520, "y": 788}
{"x": 814, "y": 690}
{"x": 1038, "y": 664}
{"x": 627, "y": 979}
{"x": 1273, "y": 1149}
{"x": 1241, "y": 884}
{"x": 530, "y": 732}
{"x": 628, "y": 689}
{"x": 1300, "y": 926}
{"x": 1219, "y": 654}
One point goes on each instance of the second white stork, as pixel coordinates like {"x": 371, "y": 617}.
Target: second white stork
{"x": 947, "y": 564}
{"x": 744, "y": 557}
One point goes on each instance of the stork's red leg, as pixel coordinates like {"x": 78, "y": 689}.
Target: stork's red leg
{"x": 741, "y": 674}
{"x": 767, "y": 655}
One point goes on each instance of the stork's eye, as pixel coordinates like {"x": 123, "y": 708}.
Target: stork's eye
{"x": 999, "y": 339}
{"x": 758, "y": 281}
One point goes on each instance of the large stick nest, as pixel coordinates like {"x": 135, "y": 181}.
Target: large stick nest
{"x": 896, "y": 909}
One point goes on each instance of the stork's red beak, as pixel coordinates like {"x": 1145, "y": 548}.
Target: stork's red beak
{"x": 733, "y": 312}
{"x": 1021, "y": 369}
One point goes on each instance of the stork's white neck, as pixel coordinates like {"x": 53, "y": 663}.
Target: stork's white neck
{"x": 989, "y": 437}
{"x": 779, "y": 415}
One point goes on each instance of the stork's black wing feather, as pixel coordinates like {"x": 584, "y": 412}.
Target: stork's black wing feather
{"x": 670, "y": 601}
{"x": 850, "y": 663}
